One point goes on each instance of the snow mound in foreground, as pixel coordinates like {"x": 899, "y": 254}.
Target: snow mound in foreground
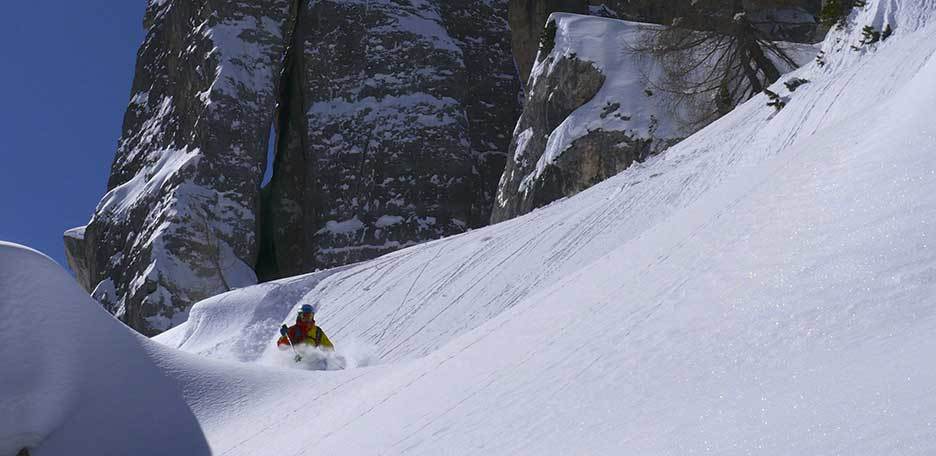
{"x": 74, "y": 377}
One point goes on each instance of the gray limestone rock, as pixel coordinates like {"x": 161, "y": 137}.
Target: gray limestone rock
{"x": 178, "y": 223}
{"x": 394, "y": 137}
{"x": 780, "y": 20}
{"x": 77, "y": 255}
{"x": 569, "y": 84}
{"x": 392, "y": 118}
{"x": 588, "y": 115}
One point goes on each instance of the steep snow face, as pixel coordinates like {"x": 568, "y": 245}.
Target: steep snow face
{"x": 766, "y": 286}
{"x": 238, "y": 325}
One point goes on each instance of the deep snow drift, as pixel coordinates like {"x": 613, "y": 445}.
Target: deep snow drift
{"x": 768, "y": 286}
{"x": 73, "y": 377}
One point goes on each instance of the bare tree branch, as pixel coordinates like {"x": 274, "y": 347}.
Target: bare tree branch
{"x": 712, "y": 59}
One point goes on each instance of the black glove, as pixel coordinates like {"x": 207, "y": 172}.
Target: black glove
{"x": 284, "y": 330}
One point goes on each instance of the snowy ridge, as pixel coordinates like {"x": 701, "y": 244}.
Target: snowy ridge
{"x": 767, "y": 286}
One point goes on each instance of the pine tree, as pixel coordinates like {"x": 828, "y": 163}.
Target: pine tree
{"x": 775, "y": 101}
{"x": 869, "y": 35}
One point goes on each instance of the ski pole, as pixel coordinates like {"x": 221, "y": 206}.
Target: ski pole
{"x": 298, "y": 356}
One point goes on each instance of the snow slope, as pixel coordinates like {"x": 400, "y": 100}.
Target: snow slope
{"x": 767, "y": 286}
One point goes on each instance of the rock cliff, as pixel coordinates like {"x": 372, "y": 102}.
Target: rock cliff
{"x": 394, "y": 137}
{"x": 178, "y": 222}
{"x": 392, "y": 120}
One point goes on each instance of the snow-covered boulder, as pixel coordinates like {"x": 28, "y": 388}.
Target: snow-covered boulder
{"x": 593, "y": 108}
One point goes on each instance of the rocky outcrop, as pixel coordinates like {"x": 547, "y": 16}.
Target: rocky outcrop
{"x": 392, "y": 117}
{"x": 178, "y": 221}
{"x": 588, "y": 115}
{"x": 591, "y": 111}
{"x": 77, "y": 253}
{"x": 594, "y": 104}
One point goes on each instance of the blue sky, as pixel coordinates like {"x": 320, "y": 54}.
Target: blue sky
{"x": 66, "y": 68}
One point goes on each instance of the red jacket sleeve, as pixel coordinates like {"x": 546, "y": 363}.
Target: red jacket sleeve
{"x": 282, "y": 342}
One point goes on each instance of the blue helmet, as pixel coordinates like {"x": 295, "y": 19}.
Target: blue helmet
{"x": 306, "y": 309}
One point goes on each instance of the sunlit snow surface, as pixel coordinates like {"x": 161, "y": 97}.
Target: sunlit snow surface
{"x": 768, "y": 286}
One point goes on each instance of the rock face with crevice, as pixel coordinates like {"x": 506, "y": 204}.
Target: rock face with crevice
{"x": 392, "y": 117}
{"x": 393, "y": 137}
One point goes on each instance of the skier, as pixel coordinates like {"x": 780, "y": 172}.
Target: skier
{"x": 305, "y": 331}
